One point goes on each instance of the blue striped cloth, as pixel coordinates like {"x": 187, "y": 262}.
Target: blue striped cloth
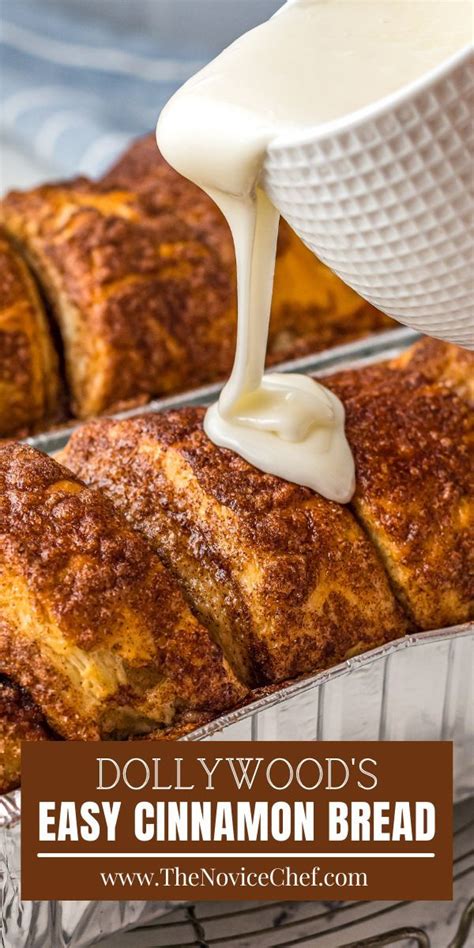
{"x": 79, "y": 78}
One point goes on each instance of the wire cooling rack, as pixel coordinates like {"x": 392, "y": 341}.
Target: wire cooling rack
{"x": 335, "y": 925}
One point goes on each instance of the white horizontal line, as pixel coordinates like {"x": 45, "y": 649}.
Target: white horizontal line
{"x": 260, "y": 855}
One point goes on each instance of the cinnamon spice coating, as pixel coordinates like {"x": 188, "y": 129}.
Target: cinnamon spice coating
{"x": 410, "y": 424}
{"x": 312, "y": 309}
{"x": 29, "y": 377}
{"x": 286, "y": 580}
{"x": 139, "y": 273}
{"x": 434, "y": 361}
{"x": 20, "y": 720}
{"x": 91, "y": 624}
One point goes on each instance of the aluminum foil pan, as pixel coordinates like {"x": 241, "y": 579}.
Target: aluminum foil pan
{"x": 417, "y": 688}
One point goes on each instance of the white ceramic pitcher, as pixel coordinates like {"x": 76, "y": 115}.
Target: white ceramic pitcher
{"x": 385, "y": 197}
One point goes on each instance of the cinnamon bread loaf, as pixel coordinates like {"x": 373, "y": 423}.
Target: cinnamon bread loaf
{"x": 139, "y": 273}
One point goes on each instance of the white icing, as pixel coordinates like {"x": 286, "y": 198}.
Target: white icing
{"x": 313, "y": 62}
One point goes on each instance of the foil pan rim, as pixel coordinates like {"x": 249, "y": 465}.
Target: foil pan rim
{"x": 10, "y": 803}
{"x": 316, "y": 680}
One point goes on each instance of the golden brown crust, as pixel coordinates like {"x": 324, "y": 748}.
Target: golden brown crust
{"x": 311, "y": 310}
{"x": 20, "y": 720}
{"x": 29, "y": 376}
{"x": 163, "y": 192}
{"x": 140, "y": 301}
{"x": 139, "y": 271}
{"x": 411, "y": 434}
{"x": 287, "y": 580}
{"x": 90, "y": 621}
{"x": 440, "y": 362}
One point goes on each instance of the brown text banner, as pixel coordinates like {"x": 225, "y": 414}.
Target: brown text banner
{"x": 296, "y": 820}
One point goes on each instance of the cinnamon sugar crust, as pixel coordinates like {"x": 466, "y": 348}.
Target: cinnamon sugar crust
{"x": 312, "y": 309}
{"x": 91, "y": 624}
{"x": 140, "y": 301}
{"x": 20, "y": 720}
{"x": 287, "y": 580}
{"x": 433, "y": 361}
{"x": 411, "y": 428}
{"x": 29, "y": 375}
{"x": 139, "y": 272}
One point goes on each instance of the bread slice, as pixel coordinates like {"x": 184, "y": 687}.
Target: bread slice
{"x": 287, "y": 581}
{"x": 29, "y": 373}
{"x": 91, "y": 623}
{"x": 141, "y": 302}
{"x": 410, "y": 424}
